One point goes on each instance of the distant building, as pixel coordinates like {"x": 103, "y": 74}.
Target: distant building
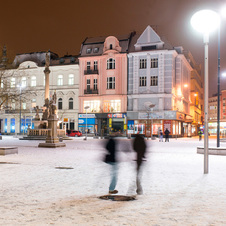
{"x": 26, "y": 76}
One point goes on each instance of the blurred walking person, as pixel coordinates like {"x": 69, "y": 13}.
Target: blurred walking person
{"x": 111, "y": 159}
{"x": 200, "y": 135}
{"x": 160, "y": 136}
{"x": 139, "y": 147}
{"x": 167, "y": 132}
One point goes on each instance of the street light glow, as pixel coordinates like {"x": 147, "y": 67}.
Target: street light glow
{"x": 205, "y": 21}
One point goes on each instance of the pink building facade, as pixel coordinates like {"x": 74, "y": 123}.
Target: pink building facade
{"x": 103, "y": 86}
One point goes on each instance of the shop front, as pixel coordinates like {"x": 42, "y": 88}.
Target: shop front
{"x": 87, "y": 123}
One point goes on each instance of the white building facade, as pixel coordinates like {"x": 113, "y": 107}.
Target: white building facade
{"x": 27, "y": 80}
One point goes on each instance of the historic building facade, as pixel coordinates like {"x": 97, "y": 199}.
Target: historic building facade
{"x": 103, "y": 85}
{"x": 26, "y": 81}
{"x": 159, "y": 78}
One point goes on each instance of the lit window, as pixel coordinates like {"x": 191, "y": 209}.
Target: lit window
{"x": 111, "y": 63}
{"x": 94, "y": 106}
{"x": 154, "y": 80}
{"x": 2, "y": 84}
{"x": 143, "y": 63}
{"x": 33, "y": 81}
{"x": 112, "y": 106}
{"x": 88, "y": 65}
{"x": 95, "y": 84}
{"x": 71, "y": 79}
{"x": 154, "y": 63}
{"x": 60, "y": 103}
{"x": 111, "y": 83}
{"x": 24, "y": 82}
{"x": 71, "y": 103}
{"x": 13, "y": 82}
{"x": 143, "y": 81}
{"x": 88, "y": 84}
{"x": 95, "y": 66}
{"x": 33, "y": 103}
{"x": 60, "y": 80}
{"x": 24, "y": 106}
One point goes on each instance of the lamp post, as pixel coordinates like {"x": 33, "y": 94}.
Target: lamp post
{"x": 205, "y": 21}
{"x": 86, "y": 107}
{"x": 20, "y": 109}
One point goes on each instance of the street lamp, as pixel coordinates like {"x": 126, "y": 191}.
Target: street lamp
{"x": 86, "y": 107}
{"x": 205, "y": 21}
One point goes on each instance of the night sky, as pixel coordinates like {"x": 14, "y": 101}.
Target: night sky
{"x": 61, "y": 26}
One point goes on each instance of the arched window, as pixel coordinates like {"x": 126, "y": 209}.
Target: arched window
{"x": 60, "y": 103}
{"x": 111, "y": 63}
{"x": 71, "y": 79}
{"x": 71, "y": 103}
{"x": 60, "y": 80}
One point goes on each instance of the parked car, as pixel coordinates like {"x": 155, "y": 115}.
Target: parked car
{"x": 74, "y": 133}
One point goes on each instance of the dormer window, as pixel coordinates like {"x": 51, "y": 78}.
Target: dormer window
{"x": 110, "y": 46}
{"x": 89, "y": 50}
{"x": 111, "y": 63}
{"x": 96, "y": 50}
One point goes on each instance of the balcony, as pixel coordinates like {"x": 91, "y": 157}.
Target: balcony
{"x": 91, "y": 72}
{"x": 91, "y": 91}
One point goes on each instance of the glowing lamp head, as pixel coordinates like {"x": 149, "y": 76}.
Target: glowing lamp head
{"x": 205, "y": 21}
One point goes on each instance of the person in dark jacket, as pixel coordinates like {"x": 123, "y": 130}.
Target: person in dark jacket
{"x": 111, "y": 159}
{"x": 167, "y": 132}
{"x": 139, "y": 147}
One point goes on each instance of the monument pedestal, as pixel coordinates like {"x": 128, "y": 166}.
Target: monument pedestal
{"x": 52, "y": 141}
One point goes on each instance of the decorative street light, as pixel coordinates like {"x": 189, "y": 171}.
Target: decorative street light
{"x": 205, "y": 21}
{"x": 223, "y": 13}
{"x": 86, "y": 107}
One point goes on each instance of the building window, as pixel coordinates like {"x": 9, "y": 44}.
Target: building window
{"x": 13, "y": 105}
{"x": 111, "y": 83}
{"x": 88, "y": 84}
{"x": 154, "y": 63}
{"x": 24, "y": 106}
{"x": 60, "y": 80}
{"x": 94, "y": 106}
{"x": 110, "y": 46}
{"x": 71, "y": 79}
{"x": 23, "y": 82}
{"x": 154, "y": 80}
{"x": 143, "y": 63}
{"x": 88, "y": 65}
{"x": 33, "y": 81}
{"x": 111, "y": 63}
{"x": 96, "y": 50}
{"x": 95, "y": 84}
{"x": 44, "y": 80}
{"x": 143, "y": 81}
{"x": 71, "y": 103}
{"x": 33, "y": 103}
{"x": 13, "y": 82}
{"x": 2, "y": 84}
{"x": 112, "y": 106}
{"x": 60, "y": 103}
{"x": 95, "y": 66}
{"x": 89, "y": 50}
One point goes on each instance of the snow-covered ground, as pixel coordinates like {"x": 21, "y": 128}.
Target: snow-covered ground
{"x": 34, "y": 191}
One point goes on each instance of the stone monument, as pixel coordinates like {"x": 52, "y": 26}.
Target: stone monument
{"x": 49, "y": 114}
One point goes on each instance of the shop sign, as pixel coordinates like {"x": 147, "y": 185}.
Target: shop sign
{"x": 180, "y": 116}
{"x": 86, "y": 115}
{"x": 89, "y": 121}
{"x": 66, "y": 120}
{"x": 123, "y": 115}
{"x": 167, "y": 124}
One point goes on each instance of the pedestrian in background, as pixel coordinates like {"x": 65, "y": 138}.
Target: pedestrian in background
{"x": 167, "y": 132}
{"x": 110, "y": 158}
{"x": 200, "y": 135}
{"x": 160, "y": 136}
{"x": 139, "y": 147}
